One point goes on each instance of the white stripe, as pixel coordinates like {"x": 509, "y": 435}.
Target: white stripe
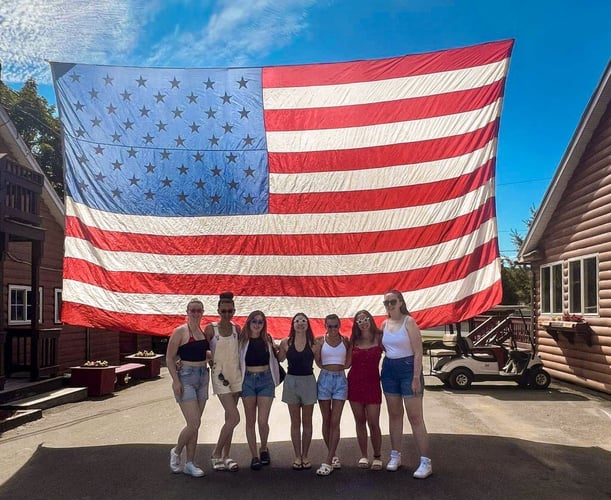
{"x": 283, "y": 224}
{"x": 282, "y": 265}
{"x": 392, "y": 89}
{"x": 381, "y": 178}
{"x": 439, "y": 295}
{"x": 303, "y": 141}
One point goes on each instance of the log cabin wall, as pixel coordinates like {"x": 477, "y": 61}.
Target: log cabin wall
{"x": 581, "y": 226}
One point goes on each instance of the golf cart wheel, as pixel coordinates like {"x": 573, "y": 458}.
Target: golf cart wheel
{"x": 539, "y": 379}
{"x": 461, "y": 378}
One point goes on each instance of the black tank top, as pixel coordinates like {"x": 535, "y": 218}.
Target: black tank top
{"x": 194, "y": 350}
{"x": 300, "y": 363}
{"x": 257, "y": 353}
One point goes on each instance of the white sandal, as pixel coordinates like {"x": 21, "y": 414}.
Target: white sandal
{"x": 336, "y": 463}
{"x": 324, "y": 470}
{"x": 364, "y": 463}
{"x": 217, "y": 463}
{"x": 377, "y": 464}
{"x": 231, "y": 465}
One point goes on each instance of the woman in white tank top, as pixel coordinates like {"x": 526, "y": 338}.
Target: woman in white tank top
{"x": 403, "y": 381}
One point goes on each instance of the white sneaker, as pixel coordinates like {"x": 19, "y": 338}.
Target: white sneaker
{"x": 193, "y": 470}
{"x": 395, "y": 461}
{"x": 175, "y": 462}
{"x": 425, "y": 469}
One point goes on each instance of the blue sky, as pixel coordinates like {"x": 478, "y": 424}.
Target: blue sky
{"x": 561, "y": 50}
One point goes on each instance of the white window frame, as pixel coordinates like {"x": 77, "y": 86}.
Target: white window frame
{"x": 57, "y": 306}
{"x": 555, "y": 304}
{"x": 24, "y": 289}
{"x": 582, "y": 285}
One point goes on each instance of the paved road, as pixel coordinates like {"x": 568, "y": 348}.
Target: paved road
{"x": 495, "y": 441}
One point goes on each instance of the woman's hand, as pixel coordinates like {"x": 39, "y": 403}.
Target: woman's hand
{"x": 177, "y": 388}
{"x": 416, "y": 385}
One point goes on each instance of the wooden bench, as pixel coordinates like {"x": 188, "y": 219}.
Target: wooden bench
{"x": 124, "y": 372}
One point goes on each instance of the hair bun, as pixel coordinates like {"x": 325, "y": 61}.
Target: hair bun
{"x": 226, "y": 296}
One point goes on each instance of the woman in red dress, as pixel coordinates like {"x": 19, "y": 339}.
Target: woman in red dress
{"x": 364, "y": 392}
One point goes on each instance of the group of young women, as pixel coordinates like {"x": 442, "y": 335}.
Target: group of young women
{"x": 245, "y": 363}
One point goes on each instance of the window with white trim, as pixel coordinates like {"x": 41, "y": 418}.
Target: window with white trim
{"x": 20, "y": 304}
{"x": 583, "y": 285}
{"x": 551, "y": 288}
{"x": 57, "y": 307}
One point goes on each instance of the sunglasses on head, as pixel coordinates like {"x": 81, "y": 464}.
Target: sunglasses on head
{"x": 390, "y": 302}
{"x": 257, "y": 322}
{"x": 223, "y": 379}
{"x": 227, "y": 311}
{"x": 196, "y": 310}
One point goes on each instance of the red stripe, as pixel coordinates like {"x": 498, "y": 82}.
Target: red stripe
{"x": 306, "y": 244}
{"x": 383, "y": 69}
{"x": 382, "y": 199}
{"x": 273, "y": 285}
{"x": 382, "y": 156}
{"x": 383, "y": 112}
{"x": 279, "y": 327}
{"x": 461, "y": 310}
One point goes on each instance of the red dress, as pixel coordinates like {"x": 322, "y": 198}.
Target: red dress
{"x": 364, "y": 376}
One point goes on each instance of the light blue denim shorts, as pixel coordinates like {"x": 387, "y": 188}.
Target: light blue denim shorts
{"x": 397, "y": 376}
{"x": 194, "y": 380}
{"x": 332, "y": 385}
{"x": 258, "y": 384}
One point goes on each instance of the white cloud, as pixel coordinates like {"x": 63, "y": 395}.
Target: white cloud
{"x": 210, "y": 33}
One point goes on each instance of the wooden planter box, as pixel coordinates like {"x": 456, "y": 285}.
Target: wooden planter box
{"x": 99, "y": 380}
{"x": 568, "y": 329}
{"x": 152, "y": 365}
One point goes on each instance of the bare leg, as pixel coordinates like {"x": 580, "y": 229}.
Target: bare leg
{"x": 325, "y": 411}
{"x": 337, "y": 406}
{"x": 360, "y": 420}
{"x": 295, "y": 414}
{"x": 232, "y": 419}
{"x": 415, "y": 415}
{"x": 373, "y": 421}
{"x": 306, "y": 437}
{"x": 192, "y": 411}
{"x": 250, "y": 413}
{"x": 264, "y": 406}
{"x": 395, "y": 420}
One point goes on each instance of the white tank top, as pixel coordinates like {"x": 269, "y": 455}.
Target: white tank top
{"x": 333, "y": 355}
{"x": 397, "y": 344}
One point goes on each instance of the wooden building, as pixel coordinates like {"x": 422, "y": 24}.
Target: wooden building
{"x": 569, "y": 249}
{"x": 32, "y": 339}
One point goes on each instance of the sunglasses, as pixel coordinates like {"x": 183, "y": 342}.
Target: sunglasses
{"x": 362, "y": 321}
{"x": 196, "y": 311}
{"x": 391, "y": 302}
{"x": 227, "y": 311}
{"x": 300, "y": 320}
{"x": 223, "y": 379}
{"x": 257, "y": 322}
{"x": 333, "y": 327}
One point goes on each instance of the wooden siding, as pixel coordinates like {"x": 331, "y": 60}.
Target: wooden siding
{"x": 581, "y": 226}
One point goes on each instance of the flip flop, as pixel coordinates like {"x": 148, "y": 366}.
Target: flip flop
{"x": 297, "y": 465}
{"x": 306, "y": 464}
{"x": 324, "y": 470}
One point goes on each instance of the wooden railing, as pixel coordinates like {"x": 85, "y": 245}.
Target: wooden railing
{"x": 20, "y": 190}
{"x": 18, "y": 352}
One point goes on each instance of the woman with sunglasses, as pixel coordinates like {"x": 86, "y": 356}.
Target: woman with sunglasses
{"x": 226, "y": 377}
{"x": 260, "y": 376}
{"x": 299, "y": 387}
{"x": 403, "y": 381}
{"x": 364, "y": 392}
{"x": 332, "y": 355}
{"x": 189, "y": 384}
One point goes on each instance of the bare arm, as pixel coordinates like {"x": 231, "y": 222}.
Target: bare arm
{"x": 316, "y": 351}
{"x": 348, "y": 352}
{"x": 172, "y": 358}
{"x": 282, "y": 350}
{"x": 415, "y": 338}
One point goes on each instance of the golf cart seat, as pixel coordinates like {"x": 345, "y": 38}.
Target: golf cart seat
{"x": 489, "y": 352}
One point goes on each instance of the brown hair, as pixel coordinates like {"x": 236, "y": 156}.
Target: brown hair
{"x": 399, "y": 295}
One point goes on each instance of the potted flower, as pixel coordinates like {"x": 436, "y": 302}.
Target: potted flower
{"x": 151, "y": 362}
{"x": 98, "y": 376}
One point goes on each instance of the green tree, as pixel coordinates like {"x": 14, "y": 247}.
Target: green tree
{"x": 35, "y": 120}
{"x": 516, "y": 278}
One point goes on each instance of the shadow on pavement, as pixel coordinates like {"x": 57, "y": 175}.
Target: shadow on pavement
{"x": 511, "y": 393}
{"x": 465, "y": 466}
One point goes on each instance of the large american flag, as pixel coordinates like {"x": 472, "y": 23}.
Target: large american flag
{"x": 312, "y": 188}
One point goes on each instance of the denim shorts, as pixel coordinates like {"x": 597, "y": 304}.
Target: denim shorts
{"x": 299, "y": 390}
{"x": 194, "y": 380}
{"x": 332, "y": 385}
{"x": 397, "y": 376}
{"x": 258, "y": 384}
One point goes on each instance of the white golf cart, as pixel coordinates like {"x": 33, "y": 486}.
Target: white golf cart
{"x": 490, "y": 352}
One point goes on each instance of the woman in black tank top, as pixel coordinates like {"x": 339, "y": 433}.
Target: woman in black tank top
{"x": 189, "y": 384}
{"x": 299, "y": 388}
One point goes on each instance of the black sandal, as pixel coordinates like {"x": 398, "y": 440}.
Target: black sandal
{"x": 265, "y": 458}
{"x": 255, "y": 463}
